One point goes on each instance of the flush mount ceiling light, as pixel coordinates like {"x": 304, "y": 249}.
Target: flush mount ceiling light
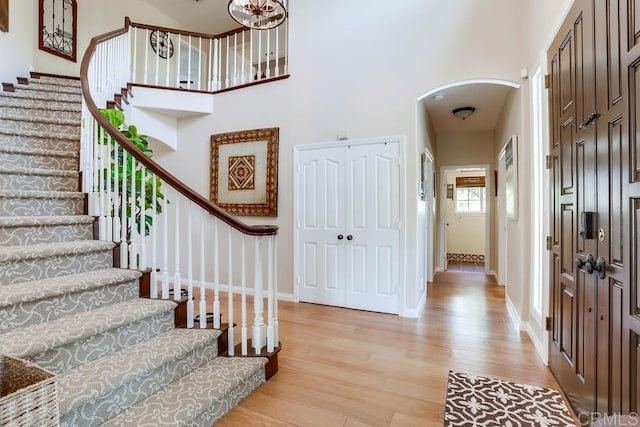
{"x": 463, "y": 112}
{"x": 258, "y": 14}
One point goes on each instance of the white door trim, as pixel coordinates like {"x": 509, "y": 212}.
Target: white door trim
{"x": 487, "y": 217}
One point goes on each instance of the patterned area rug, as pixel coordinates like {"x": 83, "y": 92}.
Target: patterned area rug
{"x": 481, "y": 401}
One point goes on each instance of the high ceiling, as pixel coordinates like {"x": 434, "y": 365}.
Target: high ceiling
{"x": 487, "y": 98}
{"x": 205, "y": 16}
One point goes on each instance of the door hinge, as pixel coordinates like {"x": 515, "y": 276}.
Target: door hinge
{"x": 547, "y": 323}
{"x": 548, "y": 240}
{"x": 548, "y": 162}
{"x": 547, "y": 81}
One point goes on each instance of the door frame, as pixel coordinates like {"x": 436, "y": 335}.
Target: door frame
{"x": 488, "y": 179}
{"x": 400, "y": 139}
{"x": 429, "y": 217}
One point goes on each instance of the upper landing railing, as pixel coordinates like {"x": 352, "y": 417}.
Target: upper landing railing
{"x": 182, "y": 59}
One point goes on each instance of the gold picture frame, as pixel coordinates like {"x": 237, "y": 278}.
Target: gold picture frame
{"x": 244, "y": 172}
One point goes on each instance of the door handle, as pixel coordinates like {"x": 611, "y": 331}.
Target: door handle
{"x": 588, "y": 266}
{"x": 340, "y": 237}
{"x": 349, "y": 237}
{"x": 592, "y": 118}
{"x": 600, "y": 266}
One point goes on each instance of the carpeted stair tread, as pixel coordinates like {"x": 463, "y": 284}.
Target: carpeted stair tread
{"x": 20, "y": 221}
{"x": 35, "y": 194}
{"x": 43, "y": 96}
{"x": 33, "y": 116}
{"x": 40, "y": 301}
{"x": 45, "y": 250}
{"x": 75, "y": 82}
{"x": 143, "y": 369}
{"x": 36, "y": 339}
{"x": 47, "y": 288}
{"x": 49, "y": 87}
{"x": 38, "y": 152}
{"x": 9, "y": 169}
{"x": 38, "y": 134}
{"x": 199, "y": 398}
{"x": 28, "y": 104}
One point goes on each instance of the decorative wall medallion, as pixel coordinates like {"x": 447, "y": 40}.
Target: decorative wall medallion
{"x": 161, "y": 43}
{"x": 58, "y": 27}
{"x": 244, "y": 172}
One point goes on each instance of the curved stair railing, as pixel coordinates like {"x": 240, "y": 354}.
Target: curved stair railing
{"x": 189, "y": 245}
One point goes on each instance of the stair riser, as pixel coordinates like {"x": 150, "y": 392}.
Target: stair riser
{"x": 32, "y": 313}
{"x": 61, "y": 359}
{"x": 39, "y": 161}
{"x": 41, "y": 268}
{"x": 47, "y": 116}
{"x": 45, "y": 233}
{"x": 9, "y": 181}
{"x": 22, "y": 127}
{"x": 66, "y": 108}
{"x": 41, "y": 207}
{"x": 219, "y": 408}
{"x": 35, "y": 141}
{"x": 104, "y": 407}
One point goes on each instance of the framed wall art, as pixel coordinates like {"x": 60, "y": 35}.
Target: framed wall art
{"x": 244, "y": 172}
{"x": 511, "y": 177}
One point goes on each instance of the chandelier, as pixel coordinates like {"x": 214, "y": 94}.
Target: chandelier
{"x": 258, "y": 14}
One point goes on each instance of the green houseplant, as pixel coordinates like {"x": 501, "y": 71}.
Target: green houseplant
{"x": 121, "y": 170}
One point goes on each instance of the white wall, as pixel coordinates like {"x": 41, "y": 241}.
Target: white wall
{"x": 16, "y": 46}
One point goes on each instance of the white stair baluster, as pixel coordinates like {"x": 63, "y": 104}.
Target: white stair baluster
{"x": 114, "y": 166}
{"x": 131, "y": 221}
{"x": 235, "y": 59}
{"x": 203, "y": 299}
{"x": 277, "y": 52}
{"x": 177, "y": 279}
{"x": 216, "y": 266}
{"x": 154, "y": 238}
{"x": 142, "y": 235}
{"x": 146, "y": 57}
{"x": 167, "y": 66}
{"x": 134, "y": 69}
{"x": 276, "y": 336}
{"x": 124, "y": 246}
{"x": 258, "y": 336}
{"x": 199, "y": 63}
{"x": 179, "y": 62}
{"x": 190, "y": 308}
{"x": 231, "y": 337}
{"x": 189, "y": 64}
{"x": 270, "y": 336}
{"x": 243, "y": 303}
{"x": 243, "y": 73}
{"x": 226, "y": 80}
{"x": 267, "y": 65}
{"x": 102, "y": 219}
{"x": 165, "y": 247}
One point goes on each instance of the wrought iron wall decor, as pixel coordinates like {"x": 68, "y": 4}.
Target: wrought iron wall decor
{"x": 58, "y": 28}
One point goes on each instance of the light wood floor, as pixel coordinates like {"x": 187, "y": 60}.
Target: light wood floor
{"x": 342, "y": 367}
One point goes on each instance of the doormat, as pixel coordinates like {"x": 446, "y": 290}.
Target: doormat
{"x": 481, "y": 401}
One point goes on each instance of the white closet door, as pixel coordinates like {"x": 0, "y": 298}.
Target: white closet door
{"x": 320, "y": 207}
{"x": 372, "y": 212}
{"x": 348, "y": 210}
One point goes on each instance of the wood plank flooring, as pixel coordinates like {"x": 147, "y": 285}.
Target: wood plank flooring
{"x": 349, "y": 368}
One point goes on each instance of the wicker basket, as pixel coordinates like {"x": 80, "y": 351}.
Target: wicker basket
{"x": 28, "y": 394}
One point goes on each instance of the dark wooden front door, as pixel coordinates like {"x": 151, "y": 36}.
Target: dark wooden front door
{"x": 589, "y": 262}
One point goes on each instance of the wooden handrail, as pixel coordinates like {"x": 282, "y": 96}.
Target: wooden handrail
{"x": 183, "y": 32}
{"x": 252, "y": 230}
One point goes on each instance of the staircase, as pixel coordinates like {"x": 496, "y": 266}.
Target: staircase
{"x": 119, "y": 359}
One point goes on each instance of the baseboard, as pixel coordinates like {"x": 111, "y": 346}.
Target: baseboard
{"x": 492, "y": 273}
{"x": 513, "y": 313}
{"x": 417, "y": 312}
{"x": 540, "y": 349}
{"x": 282, "y": 296}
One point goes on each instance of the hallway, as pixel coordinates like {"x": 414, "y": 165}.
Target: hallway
{"x": 352, "y": 368}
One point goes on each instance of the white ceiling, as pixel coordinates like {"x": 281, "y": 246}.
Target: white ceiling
{"x": 487, "y": 98}
{"x": 204, "y": 16}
